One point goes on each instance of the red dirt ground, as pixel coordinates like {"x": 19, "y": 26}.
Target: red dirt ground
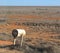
{"x": 5, "y": 42}
{"x": 10, "y": 27}
{"x": 33, "y": 17}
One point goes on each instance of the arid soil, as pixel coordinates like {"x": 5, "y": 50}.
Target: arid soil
{"x": 42, "y": 25}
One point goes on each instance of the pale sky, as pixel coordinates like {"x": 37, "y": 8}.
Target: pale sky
{"x": 29, "y": 2}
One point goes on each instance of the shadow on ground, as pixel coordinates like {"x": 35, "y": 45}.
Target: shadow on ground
{"x": 29, "y": 48}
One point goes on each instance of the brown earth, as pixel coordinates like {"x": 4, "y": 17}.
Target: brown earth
{"x": 39, "y": 37}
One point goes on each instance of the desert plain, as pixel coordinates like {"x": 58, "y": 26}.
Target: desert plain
{"x": 42, "y": 25}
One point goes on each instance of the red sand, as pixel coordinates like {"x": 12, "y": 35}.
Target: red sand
{"x": 5, "y": 42}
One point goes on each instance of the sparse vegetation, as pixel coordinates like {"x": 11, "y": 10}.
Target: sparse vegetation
{"x": 42, "y": 25}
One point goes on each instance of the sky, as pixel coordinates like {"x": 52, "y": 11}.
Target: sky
{"x": 29, "y": 2}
